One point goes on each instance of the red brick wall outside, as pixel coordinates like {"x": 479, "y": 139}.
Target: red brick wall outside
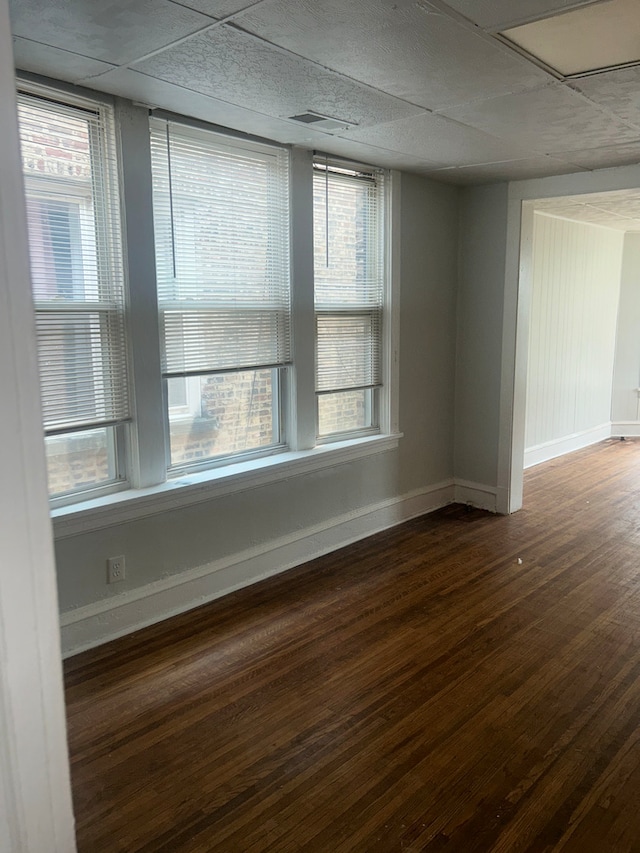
{"x": 236, "y": 415}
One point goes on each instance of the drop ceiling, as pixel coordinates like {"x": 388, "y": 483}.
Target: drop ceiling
{"x": 427, "y": 86}
{"x": 619, "y": 209}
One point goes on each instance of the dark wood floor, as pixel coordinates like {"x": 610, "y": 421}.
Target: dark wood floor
{"x": 420, "y": 690}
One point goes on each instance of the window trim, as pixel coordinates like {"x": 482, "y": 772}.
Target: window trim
{"x": 385, "y": 403}
{"x": 197, "y": 487}
{"x": 150, "y": 489}
{"x": 107, "y": 206}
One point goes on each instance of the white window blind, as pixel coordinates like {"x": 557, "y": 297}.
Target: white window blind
{"x": 68, "y": 158}
{"x": 221, "y": 209}
{"x": 349, "y": 277}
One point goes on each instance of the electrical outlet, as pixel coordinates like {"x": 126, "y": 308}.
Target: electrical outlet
{"x": 115, "y": 569}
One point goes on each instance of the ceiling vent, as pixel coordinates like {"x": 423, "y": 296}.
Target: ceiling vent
{"x": 320, "y": 122}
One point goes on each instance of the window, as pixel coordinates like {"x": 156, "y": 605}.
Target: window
{"x": 73, "y": 222}
{"x": 348, "y": 208}
{"x": 194, "y": 365}
{"x": 221, "y": 222}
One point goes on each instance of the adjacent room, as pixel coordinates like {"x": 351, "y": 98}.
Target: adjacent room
{"x": 581, "y": 272}
{"x": 318, "y": 337}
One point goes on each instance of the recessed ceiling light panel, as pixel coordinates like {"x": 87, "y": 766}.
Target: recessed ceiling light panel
{"x": 592, "y": 38}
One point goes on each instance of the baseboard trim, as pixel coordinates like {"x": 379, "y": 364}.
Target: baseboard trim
{"x": 97, "y": 623}
{"x": 476, "y": 494}
{"x": 624, "y": 429}
{"x": 567, "y": 444}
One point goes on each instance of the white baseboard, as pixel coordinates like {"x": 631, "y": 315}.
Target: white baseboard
{"x": 629, "y": 429}
{"x": 476, "y": 494}
{"x": 89, "y": 626}
{"x": 558, "y": 447}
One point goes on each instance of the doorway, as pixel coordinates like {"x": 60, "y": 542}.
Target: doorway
{"x": 577, "y": 319}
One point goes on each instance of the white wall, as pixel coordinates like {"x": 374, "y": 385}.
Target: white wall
{"x": 625, "y": 403}
{"x": 183, "y": 556}
{"x": 35, "y": 792}
{"x": 574, "y": 306}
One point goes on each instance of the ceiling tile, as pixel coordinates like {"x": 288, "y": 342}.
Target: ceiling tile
{"x": 438, "y": 139}
{"x": 612, "y": 197}
{"x": 227, "y": 63}
{"x": 547, "y": 120}
{"x": 604, "y": 158}
{"x": 593, "y": 216}
{"x": 585, "y": 39}
{"x": 618, "y": 209}
{"x": 374, "y": 156}
{"x": 398, "y": 47}
{"x": 629, "y": 209}
{"x": 512, "y": 170}
{"x": 53, "y": 62}
{"x": 114, "y": 32}
{"x": 498, "y": 14}
{"x": 218, "y": 8}
{"x": 158, "y": 93}
{"x": 617, "y": 91}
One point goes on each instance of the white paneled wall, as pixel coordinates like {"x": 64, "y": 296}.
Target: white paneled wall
{"x": 625, "y": 403}
{"x": 576, "y": 285}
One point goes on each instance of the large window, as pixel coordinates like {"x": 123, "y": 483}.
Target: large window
{"x": 214, "y": 353}
{"x": 348, "y": 207}
{"x": 70, "y": 179}
{"x": 222, "y": 257}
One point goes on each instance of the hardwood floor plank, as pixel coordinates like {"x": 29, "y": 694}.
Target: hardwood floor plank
{"x": 463, "y": 682}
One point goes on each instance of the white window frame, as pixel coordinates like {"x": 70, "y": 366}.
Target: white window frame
{"x": 150, "y": 489}
{"x": 117, "y": 444}
{"x": 188, "y": 150}
{"x": 372, "y": 394}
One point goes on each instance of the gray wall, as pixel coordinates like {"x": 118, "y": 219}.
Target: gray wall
{"x": 625, "y": 402}
{"x": 483, "y": 243}
{"x": 172, "y": 542}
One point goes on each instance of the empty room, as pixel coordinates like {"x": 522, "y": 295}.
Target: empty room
{"x": 320, "y": 367}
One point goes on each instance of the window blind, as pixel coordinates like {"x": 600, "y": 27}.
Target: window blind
{"x": 222, "y": 250}
{"x": 349, "y": 277}
{"x": 69, "y": 165}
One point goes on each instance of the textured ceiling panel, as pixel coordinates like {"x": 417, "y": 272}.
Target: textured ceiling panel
{"x": 587, "y": 213}
{"x": 53, "y": 62}
{"x": 239, "y": 68}
{"x": 373, "y": 155}
{"x": 629, "y": 208}
{"x": 219, "y": 8}
{"x": 593, "y": 216}
{"x": 612, "y": 197}
{"x": 604, "y": 158}
{"x": 499, "y": 14}
{"x": 512, "y": 170}
{"x": 617, "y": 91}
{"x": 619, "y": 209}
{"x": 548, "y": 120}
{"x": 398, "y": 47}
{"x": 114, "y": 32}
{"x": 158, "y": 93}
{"x": 438, "y": 139}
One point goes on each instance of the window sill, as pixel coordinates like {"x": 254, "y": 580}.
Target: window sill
{"x": 189, "y": 489}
